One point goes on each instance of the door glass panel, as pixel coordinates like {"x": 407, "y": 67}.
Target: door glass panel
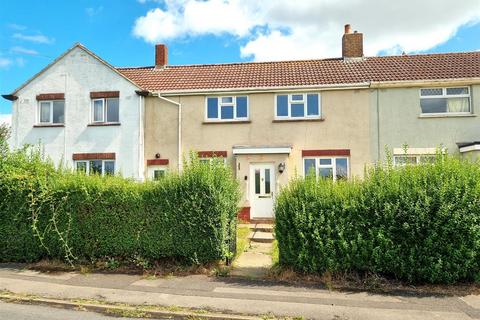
{"x": 267, "y": 181}
{"x": 257, "y": 181}
{"x": 342, "y": 168}
{"x": 96, "y": 167}
{"x": 326, "y": 173}
{"x": 44, "y": 111}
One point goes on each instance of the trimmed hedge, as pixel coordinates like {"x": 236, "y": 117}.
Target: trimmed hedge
{"x": 415, "y": 223}
{"x": 49, "y": 213}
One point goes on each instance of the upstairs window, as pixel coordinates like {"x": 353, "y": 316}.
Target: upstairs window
{"x": 51, "y": 112}
{"x": 228, "y": 108}
{"x": 297, "y": 106}
{"x": 445, "y": 100}
{"x": 105, "y": 110}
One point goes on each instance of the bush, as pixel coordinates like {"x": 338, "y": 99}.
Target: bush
{"x": 54, "y": 213}
{"x": 416, "y": 223}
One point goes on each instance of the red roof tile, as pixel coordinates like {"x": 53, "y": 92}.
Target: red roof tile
{"x": 307, "y": 72}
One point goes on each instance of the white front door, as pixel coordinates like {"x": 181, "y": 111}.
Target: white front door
{"x": 262, "y": 188}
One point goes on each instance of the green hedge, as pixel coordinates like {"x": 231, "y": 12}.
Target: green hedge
{"x": 49, "y": 213}
{"x": 415, "y": 223}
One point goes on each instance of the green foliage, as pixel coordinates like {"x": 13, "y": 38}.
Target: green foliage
{"x": 53, "y": 213}
{"x": 416, "y": 223}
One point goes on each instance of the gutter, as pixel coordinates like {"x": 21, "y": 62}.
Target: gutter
{"x": 10, "y": 97}
{"x": 179, "y": 105}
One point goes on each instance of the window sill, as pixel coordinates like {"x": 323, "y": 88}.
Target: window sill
{"x": 225, "y": 122}
{"x": 56, "y": 125}
{"x": 103, "y": 124}
{"x": 445, "y": 115}
{"x": 298, "y": 120}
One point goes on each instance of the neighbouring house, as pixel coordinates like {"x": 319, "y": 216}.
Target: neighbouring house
{"x": 269, "y": 121}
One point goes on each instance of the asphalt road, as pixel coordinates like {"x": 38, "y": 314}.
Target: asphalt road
{"x": 12, "y": 311}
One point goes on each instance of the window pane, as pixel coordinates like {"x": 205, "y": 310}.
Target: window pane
{"x": 82, "y": 166}
{"x": 427, "y": 158}
{"x": 455, "y": 91}
{"x": 325, "y": 162}
{"x": 205, "y": 160}
{"x": 341, "y": 168}
{"x": 458, "y": 105}
{"x": 431, "y": 92}
{"x": 257, "y": 181}
{"x": 267, "y": 181}
{"x": 403, "y": 160}
{"x": 242, "y": 108}
{"x": 433, "y": 105}
{"x": 44, "y": 111}
{"x": 158, "y": 174}
{"x": 282, "y": 106}
{"x": 298, "y": 110}
{"x": 297, "y": 97}
{"x": 58, "y": 112}
{"x": 309, "y": 166}
{"x": 112, "y": 110}
{"x": 227, "y": 112}
{"x": 227, "y": 99}
{"x": 212, "y": 108}
{"x": 98, "y": 110}
{"x": 95, "y": 166}
{"x": 325, "y": 172}
{"x": 312, "y": 105}
{"x": 109, "y": 167}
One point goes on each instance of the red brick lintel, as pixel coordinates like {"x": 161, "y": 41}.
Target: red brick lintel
{"x": 325, "y": 152}
{"x": 104, "y": 94}
{"x": 157, "y": 162}
{"x": 51, "y": 96}
{"x": 212, "y": 154}
{"x": 94, "y": 156}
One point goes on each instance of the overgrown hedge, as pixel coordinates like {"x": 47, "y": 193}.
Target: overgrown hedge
{"x": 49, "y": 213}
{"x": 416, "y": 223}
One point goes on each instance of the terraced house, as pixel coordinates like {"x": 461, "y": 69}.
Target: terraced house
{"x": 270, "y": 121}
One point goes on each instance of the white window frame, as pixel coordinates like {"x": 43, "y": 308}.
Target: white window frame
{"x": 416, "y": 156}
{"x": 219, "y": 109}
{"x": 333, "y": 165}
{"x": 87, "y": 170}
{"x": 446, "y": 96}
{"x": 39, "y": 112}
{"x": 104, "y": 110}
{"x": 305, "y": 108}
{"x": 210, "y": 159}
{"x": 152, "y": 168}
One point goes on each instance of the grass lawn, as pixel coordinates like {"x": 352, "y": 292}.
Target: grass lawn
{"x": 242, "y": 240}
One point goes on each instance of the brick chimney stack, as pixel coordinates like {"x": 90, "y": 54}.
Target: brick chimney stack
{"x": 352, "y": 44}
{"x": 161, "y": 56}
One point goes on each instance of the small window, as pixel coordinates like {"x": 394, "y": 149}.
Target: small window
{"x": 106, "y": 110}
{"x": 297, "y": 106}
{"x": 100, "y": 167}
{"x": 335, "y": 168}
{"x": 158, "y": 174}
{"x": 403, "y": 160}
{"x": 209, "y": 160}
{"x": 52, "y": 112}
{"x": 445, "y": 100}
{"x": 230, "y": 108}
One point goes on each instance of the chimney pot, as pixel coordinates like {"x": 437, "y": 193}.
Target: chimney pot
{"x": 161, "y": 56}
{"x": 348, "y": 29}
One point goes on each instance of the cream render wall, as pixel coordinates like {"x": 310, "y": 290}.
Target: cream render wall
{"x": 345, "y": 125}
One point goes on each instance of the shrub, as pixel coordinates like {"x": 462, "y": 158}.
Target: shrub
{"x": 54, "y": 213}
{"x": 416, "y": 223}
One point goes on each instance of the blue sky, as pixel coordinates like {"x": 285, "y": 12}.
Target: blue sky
{"x": 33, "y": 33}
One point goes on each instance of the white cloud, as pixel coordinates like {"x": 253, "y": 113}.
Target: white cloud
{"x": 285, "y": 29}
{"x": 6, "y": 118}
{"x": 15, "y": 26}
{"x": 22, "y": 50}
{"x": 5, "y": 62}
{"x": 38, "y": 38}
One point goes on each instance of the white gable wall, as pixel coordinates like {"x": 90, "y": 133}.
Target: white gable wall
{"x": 77, "y": 74}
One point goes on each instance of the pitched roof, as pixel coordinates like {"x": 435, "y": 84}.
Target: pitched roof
{"x": 307, "y": 72}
